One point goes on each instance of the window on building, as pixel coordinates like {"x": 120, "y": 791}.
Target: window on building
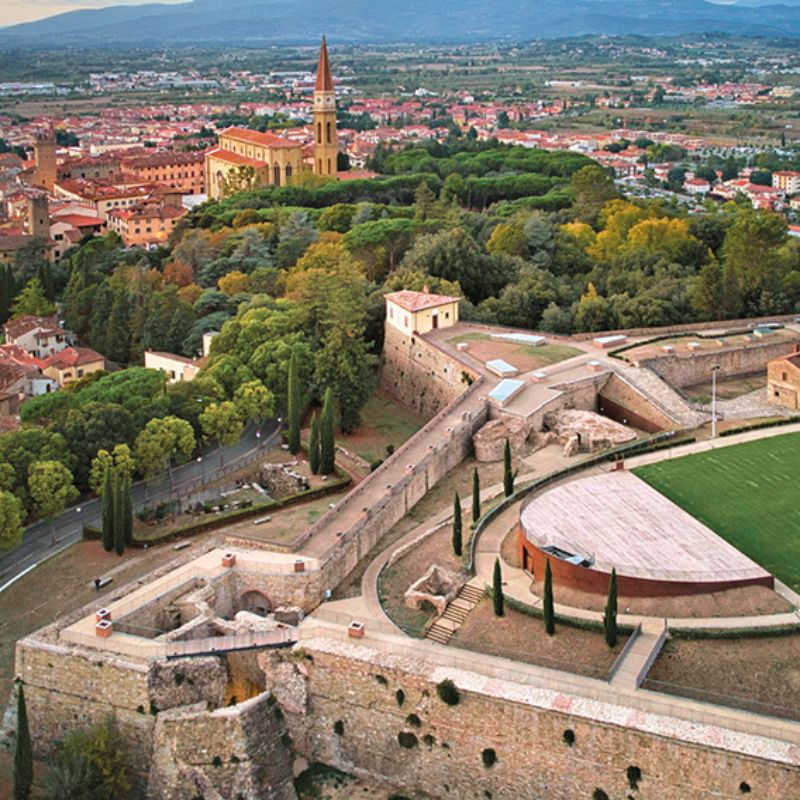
{"x": 784, "y": 376}
{"x": 277, "y": 172}
{"x": 319, "y": 133}
{"x": 328, "y": 137}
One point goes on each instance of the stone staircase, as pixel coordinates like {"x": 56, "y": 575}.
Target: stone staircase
{"x": 457, "y": 611}
{"x": 662, "y": 395}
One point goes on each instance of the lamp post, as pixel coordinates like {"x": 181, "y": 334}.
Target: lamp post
{"x": 714, "y": 371}
{"x": 202, "y": 468}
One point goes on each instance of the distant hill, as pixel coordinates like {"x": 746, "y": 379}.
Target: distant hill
{"x": 396, "y": 21}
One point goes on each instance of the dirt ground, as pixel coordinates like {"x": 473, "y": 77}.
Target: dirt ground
{"x": 524, "y": 357}
{"x": 746, "y": 601}
{"x": 396, "y": 579}
{"x": 727, "y": 388}
{"x": 759, "y": 674}
{"x": 384, "y": 422}
{"x": 522, "y": 638}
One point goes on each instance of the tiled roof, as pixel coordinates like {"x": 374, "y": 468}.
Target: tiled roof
{"x": 22, "y": 325}
{"x": 417, "y": 301}
{"x": 73, "y": 357}
{"x": 255, "y": 137}
{"x": 235, "y": 158}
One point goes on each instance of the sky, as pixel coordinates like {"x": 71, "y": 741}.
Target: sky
{"x": 13, "y": 11}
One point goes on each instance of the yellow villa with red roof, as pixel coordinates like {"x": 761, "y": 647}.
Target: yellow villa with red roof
{"x": 245, "y": 159}
{"x": 420, "y": 312}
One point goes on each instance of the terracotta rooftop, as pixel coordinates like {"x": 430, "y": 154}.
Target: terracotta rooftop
{"x": 235, "y": 158}
{"x": 22, "y": 325}
{"x": 417, "y": 301}
{"x": 255, "y": 137}
{"x": 73, "y": 357}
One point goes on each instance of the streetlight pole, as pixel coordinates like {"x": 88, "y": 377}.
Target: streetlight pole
{"x": 714, "y": 371}
{"x": 202, "y": 468}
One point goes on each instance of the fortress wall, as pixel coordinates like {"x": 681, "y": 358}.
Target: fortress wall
{"x": 621, "y": 402}
{"x": 232, "y": 752}
{"x": 420, "y": 375}
{"x": 686, "y": 370}
{"x": 534, "y": 761}
{"x": 66, "y": 691}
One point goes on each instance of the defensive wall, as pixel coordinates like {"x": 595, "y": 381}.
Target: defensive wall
{"x": 618, "y": 400}
{"x": 497, "y": 742}
{"x": 687, "y": 370}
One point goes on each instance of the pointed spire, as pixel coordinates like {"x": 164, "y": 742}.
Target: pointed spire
{"x": 324, "y": 77}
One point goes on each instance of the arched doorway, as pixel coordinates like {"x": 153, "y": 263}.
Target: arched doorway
{"x": 256, "y": 603}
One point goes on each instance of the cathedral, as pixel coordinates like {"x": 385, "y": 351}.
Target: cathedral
{"x": 245, "y": 159}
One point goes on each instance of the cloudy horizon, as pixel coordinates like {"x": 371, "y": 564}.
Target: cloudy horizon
{"x": 13, "y": 12}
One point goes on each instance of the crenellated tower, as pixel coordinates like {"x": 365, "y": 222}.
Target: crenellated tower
{"x": 325, "y": 142}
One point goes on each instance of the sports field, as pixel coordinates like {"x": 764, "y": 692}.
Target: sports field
{"x": 748, "y": 493}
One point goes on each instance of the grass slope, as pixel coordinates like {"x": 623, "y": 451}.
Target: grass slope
{"x": 747, "y": 493}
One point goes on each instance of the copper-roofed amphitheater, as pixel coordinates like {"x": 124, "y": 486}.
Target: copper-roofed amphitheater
{"x": 587, "y": 527}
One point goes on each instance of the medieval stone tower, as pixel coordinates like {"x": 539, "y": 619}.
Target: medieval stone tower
{"x": 39, "y": 216}
{"x": 325, "y": 144}
{"x": 44, "y": 151}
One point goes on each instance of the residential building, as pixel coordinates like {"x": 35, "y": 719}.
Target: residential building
{"x": 39, "y": 337}
{"x": 178, "y": 368}
{"x": 184, "y": 172}
{"x": 72, "y": 364}
{"x": 146, "y": 224}
{"x": 787, "y": 181}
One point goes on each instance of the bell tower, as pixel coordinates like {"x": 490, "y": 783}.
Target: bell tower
{"x": 325, "y": 142}
{"x": 44, "y": 151}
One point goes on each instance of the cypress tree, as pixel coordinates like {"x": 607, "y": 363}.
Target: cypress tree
{"x": 108, "y": 512}
{"x": 610, "y": 616}
{"x": 127, "y": 509}
{"x": 457, "y": 525}
{"x": 293, "y": 404}
{"x": 327, "y": 440}
{"x": 119, "y": 519}
{"x": 313, "y": 446}
{"x": 6, "y": 294}
{"x": 547, "y": 601}
{"x": 23, "y": 753}
{"x": 508, "y": 474}
{"x": 498, "y": 601}
{"x": 476, "y": 495}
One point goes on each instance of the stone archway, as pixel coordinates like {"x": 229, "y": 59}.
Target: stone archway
{"x": 255, "y": 602}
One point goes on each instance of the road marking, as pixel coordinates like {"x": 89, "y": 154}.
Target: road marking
{"x": 21, "y": 575}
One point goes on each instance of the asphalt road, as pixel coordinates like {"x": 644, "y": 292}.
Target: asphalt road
{"x": 43, "y": 539}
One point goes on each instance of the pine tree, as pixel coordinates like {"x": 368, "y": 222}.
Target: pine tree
{"x": 508, "y": 474}
{"x": 313, "y": 446}
{"x": 119, "y": 519}
{"x": 23, "y": 753}
{"x": 457, "y": 526}
{"x": 476, "y": 495}
{"x": 293, "y": 405}
{"x": 108, "y": 512}
{"x": 610, "y": 615}
{"x": 498, "y": 600}
{"x": 127, "y": 509}
{"x": 327, "y": 439}
{"x": 547, "y": 601}
{"x": 118, "y": 344}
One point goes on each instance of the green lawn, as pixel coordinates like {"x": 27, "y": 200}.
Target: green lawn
{"x": 747, "y": 493}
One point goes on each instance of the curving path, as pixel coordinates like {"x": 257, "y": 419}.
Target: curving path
{"x": 47, "y": 538}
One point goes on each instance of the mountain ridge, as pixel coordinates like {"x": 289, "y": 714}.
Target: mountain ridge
{"x": 399, "y": 21}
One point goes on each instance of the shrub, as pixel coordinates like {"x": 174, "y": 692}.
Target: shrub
{"x": 217, "y": 761}
{"x": 569, "y": 737}
{"x": 599, "y": 794}
{"x": 179, "y": 678}
{"x": 429, "y": 739}
{"x": 414, "y": 721}
{"x": 744, "y": 788}
{"x": 400, "y": 696}
{"x": 489, "y": 757}
{"x": 381, "y": 680}
{"x": 338, "y": 727}
{"x": 406, "y": 739}
{"x": 235, "y": 759}
{"x": 448, "y": 692}
{"x": 634, "y": 775}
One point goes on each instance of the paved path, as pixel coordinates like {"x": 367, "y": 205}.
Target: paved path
{"x": 638, "y": 658}
{"x": 45, "y": 539}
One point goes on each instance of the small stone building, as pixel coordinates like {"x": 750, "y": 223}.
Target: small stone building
{"x": 783, "y": 380}
{"x": 420, "y": 312}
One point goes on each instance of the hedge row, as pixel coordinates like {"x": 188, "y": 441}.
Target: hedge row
{"x": 774, "y": 423}
{"x": 235, "y": 515}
